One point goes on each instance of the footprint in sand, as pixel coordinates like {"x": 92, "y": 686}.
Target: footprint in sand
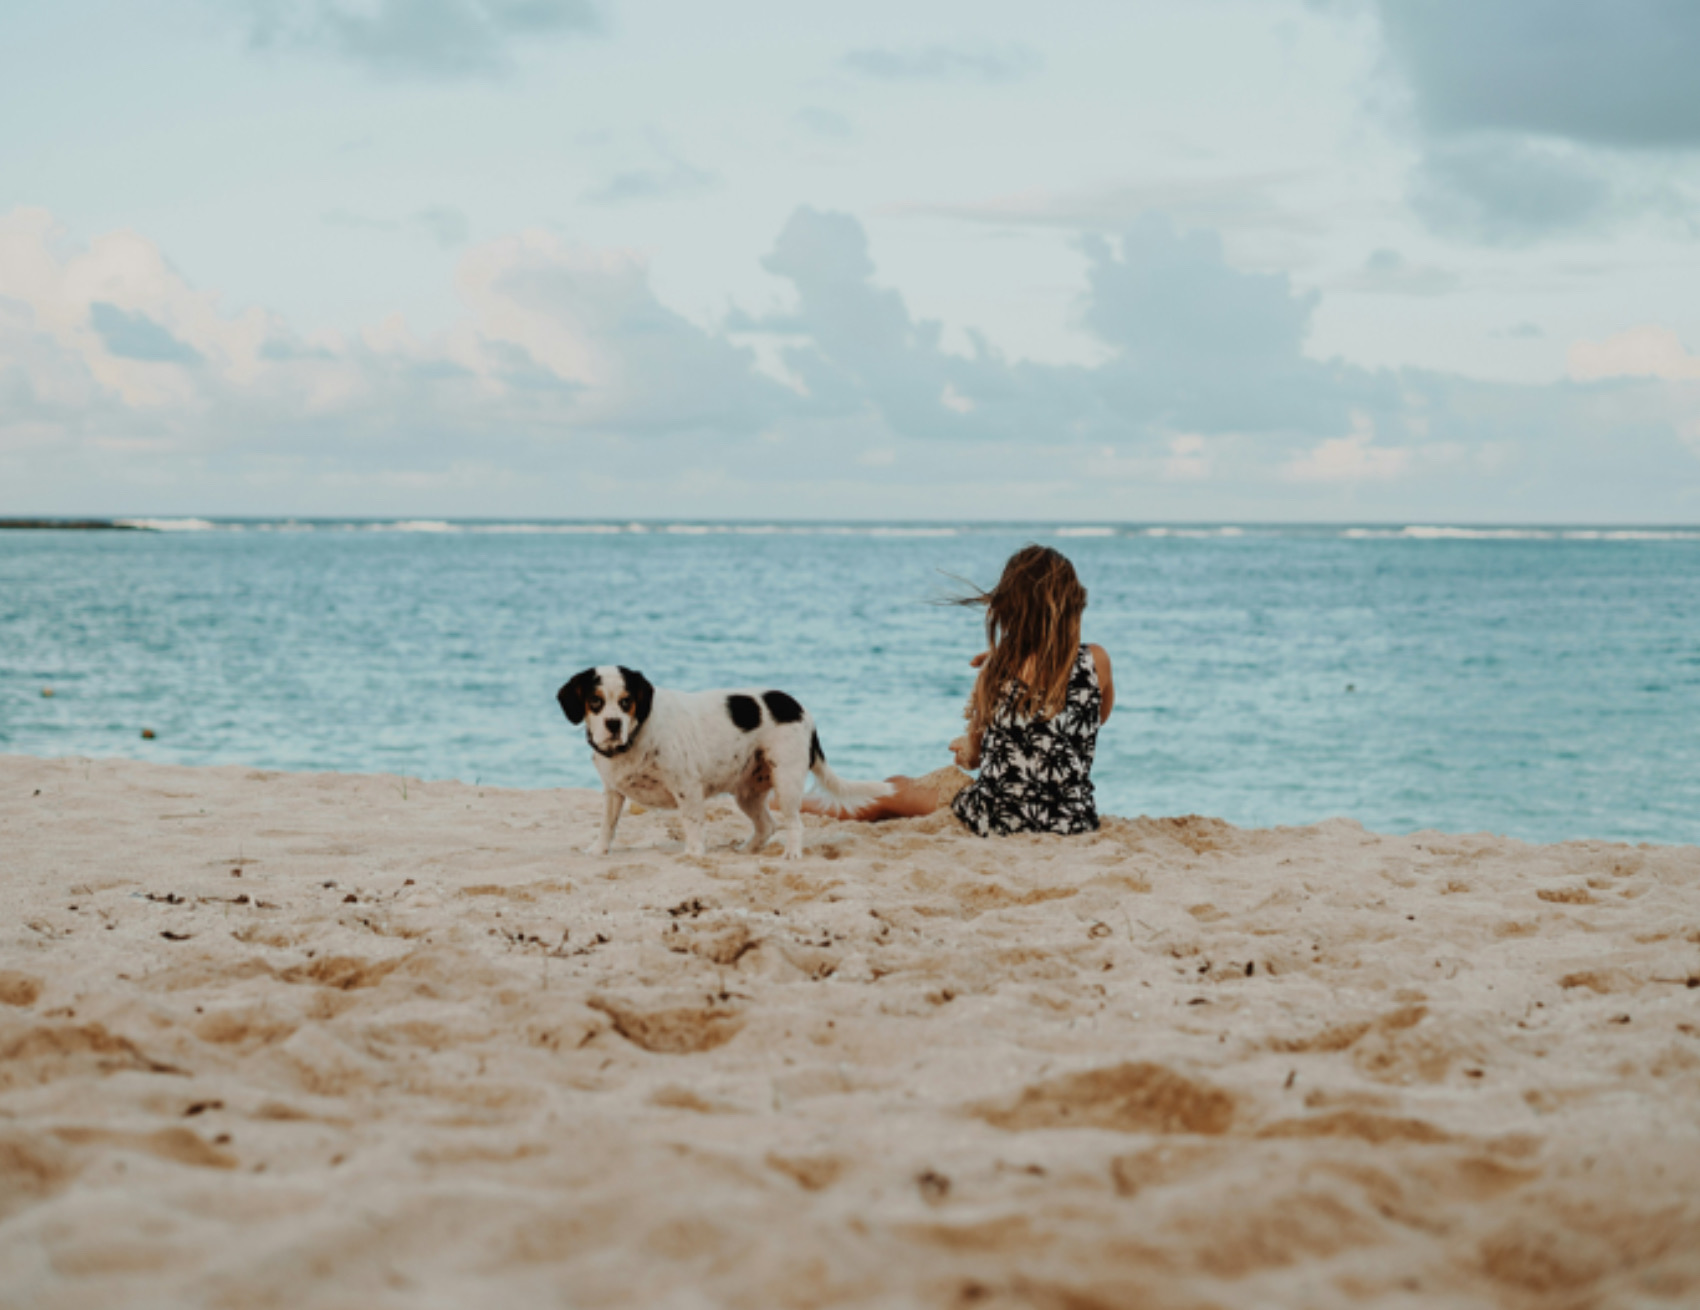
{"x": 44, "y": 1053}
{"x": 1131, "y": 1098}
{"x": 18, "y": 988}
{"x": 813, "y": 1173}
{"x": 672, "y": 1030}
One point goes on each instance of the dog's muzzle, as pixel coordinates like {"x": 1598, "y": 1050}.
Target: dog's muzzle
{"x": 611, "y": 752}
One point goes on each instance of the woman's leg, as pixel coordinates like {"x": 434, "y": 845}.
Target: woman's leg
{"x": 908, "y": 799}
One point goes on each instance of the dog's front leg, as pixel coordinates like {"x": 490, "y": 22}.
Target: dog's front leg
{"x": 693, "y": 809}
{"x": 612, "y": 803}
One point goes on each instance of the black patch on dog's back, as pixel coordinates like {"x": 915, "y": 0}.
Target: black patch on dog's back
{"x": 816, "y": 754}
{"x": 744, "y": 711}
{"x": 783, "y": 708}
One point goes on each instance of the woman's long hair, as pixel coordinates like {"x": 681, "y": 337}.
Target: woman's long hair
{"x": 1032, "y": 625}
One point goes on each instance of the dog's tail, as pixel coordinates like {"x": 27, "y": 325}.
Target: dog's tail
{"x": 836, "y": 788}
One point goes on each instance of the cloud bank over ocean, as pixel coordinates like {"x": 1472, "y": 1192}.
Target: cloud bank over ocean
{"x": 567, "y": 380}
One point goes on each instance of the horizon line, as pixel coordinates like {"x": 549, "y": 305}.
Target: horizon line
{"x": 142, "y": 520}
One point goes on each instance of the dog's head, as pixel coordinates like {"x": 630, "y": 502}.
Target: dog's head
{"x": 611, "y": 701}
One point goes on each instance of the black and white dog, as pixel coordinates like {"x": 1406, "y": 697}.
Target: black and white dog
{"x": 675, "y": 749}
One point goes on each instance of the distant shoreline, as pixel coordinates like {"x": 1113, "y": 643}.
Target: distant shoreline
{"x": 616, "y": 526}
{"x": 72, "y": 525}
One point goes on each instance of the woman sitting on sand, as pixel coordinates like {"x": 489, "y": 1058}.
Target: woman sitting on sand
{"x": 1032, "y": 718}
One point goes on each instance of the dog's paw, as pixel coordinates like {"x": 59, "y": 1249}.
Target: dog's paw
{"x": 596, "y": 848}
{"x": 793, "y": 854}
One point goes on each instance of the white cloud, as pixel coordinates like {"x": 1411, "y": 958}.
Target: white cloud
{"x": 1642, "y": 352}
{"x": 99, "y": 303}
{"x": 106, "y": 351}
{"x": 591, "y": 319}
{"x": 1187, "y": 460}
{"x": 1350, "y": 459}
{"x": 954, "y": 400}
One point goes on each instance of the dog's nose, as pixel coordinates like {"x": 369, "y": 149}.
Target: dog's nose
{"x": 612, "y": 726}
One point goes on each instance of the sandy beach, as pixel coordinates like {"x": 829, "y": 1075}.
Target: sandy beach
{"x": 321, "y": 1040}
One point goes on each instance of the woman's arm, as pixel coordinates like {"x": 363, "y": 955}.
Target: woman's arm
{"x": 966, "y": 748}
{"x": 1106, "y": 680}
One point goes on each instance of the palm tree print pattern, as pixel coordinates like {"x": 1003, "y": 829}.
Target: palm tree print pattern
{"x": 1035, "y": 774}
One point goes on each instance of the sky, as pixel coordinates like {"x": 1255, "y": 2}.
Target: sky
{"x": 1131, "y": 260}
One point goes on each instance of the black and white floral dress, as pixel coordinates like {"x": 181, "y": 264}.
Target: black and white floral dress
{"x": 1035, "y": 773}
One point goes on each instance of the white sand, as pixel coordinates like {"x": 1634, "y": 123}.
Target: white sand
{"x": 423, "y": 1052}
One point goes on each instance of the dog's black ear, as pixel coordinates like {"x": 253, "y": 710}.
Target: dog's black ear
{"x": 574, "y": 694}
{"x": 642, "y": 694}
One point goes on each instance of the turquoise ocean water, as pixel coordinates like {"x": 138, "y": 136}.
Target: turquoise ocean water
{"x": 1543, "y": 682}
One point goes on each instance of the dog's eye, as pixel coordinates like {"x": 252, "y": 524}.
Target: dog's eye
{"x": 626, "y": 704}
{"x": 596, "y": 702}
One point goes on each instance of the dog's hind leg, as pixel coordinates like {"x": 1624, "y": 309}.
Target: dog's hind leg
{"x": 788, "y": 791}
{"x": 754, "y": 805}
